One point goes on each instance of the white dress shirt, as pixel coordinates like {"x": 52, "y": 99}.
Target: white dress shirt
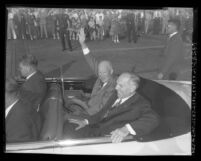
{"x": 174, "y": 33}
{"x": 30, "y": 75}
{"x": 10, "y": 107}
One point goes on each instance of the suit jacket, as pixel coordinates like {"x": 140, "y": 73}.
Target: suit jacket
{"x": 174, "y": 54}
{"x": 130, "y": 21}
{"x": 34, "y": 89}
{"x": 136, "y": 111}
{"x": 22, "y": 123}
{"x": 99, "y": 95}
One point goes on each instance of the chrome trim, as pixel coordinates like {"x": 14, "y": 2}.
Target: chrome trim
{"x": 12, "y": 147}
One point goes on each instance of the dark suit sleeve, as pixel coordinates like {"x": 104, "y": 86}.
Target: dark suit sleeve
{"x": 100, "y": 115}
{"x": 21, "y": 130}
{"x": 93, "y": 63}
{"x": 173, "y": 54}
{"x": 146, "y": 122}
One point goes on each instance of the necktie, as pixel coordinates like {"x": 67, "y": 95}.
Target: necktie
{"x": 115, "y": 105}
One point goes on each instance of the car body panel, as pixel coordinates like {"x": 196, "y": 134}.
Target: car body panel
{"x": 179, "y": 145}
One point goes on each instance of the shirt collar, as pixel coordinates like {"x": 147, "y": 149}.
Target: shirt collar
{"x": 124, "y": 99}
{"x": 10, "y": 107}
{"x": 174, "y": 33}
{"x": 104, "y": 84}
{"x": 30, "y": 75}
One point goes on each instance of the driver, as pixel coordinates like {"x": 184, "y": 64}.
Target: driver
{"x": 34, "y": 89}
{"x": 22, "y": 121}
{"x": 105, "y": 84}
{"x": 126, "y": 112}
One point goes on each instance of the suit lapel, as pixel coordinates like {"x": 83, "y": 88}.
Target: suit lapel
{"x": 124, "y": 106}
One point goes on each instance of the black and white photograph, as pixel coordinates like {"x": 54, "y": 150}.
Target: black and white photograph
{"x": 99, "y": 81}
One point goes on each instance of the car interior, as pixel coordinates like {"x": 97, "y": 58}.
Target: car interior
{"x": 175, "y": 115}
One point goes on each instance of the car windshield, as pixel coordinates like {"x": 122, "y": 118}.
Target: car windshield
{"x": 134, "y": 40}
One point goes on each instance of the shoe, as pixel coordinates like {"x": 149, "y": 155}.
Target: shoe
{"x": 64, "y": 49}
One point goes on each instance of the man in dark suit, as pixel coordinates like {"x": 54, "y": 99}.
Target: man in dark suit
{"x": 22, "y": 121}
{"x": 34, "y": 89}
{"x": 125, "y": 113}
{"x": 173, "y": 53}
{"x": 64, "y": 23}
{"x": 131, "y": 27}
{"x": 104, "y": 85}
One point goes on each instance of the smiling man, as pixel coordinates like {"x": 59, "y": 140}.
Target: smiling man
{"x": 125, "y": 113}
{"x": 104, "y": 85}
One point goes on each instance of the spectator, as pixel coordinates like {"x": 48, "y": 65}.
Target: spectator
{"x": 115, "y": 29}
{"x": 11, "y": 27}
{"x": 106, "y": 24}
{"x": 43, "y": 22}
{"x": 92, "y": 30}
{"x": 147, "y": 21}
{"x": 131, "y": 27}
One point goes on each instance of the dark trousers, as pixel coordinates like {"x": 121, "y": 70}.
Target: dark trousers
{"x": 132, "y": 35}
{"x": 64, "y": 35}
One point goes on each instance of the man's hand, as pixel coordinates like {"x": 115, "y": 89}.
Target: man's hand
{"x": 81, "y": 35}
{"x": 81, "y": 123}
{"x": 160, "y": 76}
{"x": 119, "y": 134}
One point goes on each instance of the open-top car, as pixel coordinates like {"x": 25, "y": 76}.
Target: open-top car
{"x": 172, "y": 136}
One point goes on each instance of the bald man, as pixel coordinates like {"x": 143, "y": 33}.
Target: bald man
{"x": 126, "y": 113}
{"x": 104, "y": 85}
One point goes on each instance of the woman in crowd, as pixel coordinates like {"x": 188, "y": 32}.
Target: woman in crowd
{"x": 92, "y": 30}
{"x": 115, "y": 29}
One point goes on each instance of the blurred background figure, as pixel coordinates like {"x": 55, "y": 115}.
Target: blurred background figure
{"x": 43, "y": 23}
{"x": 11, "y": 26}
{"x": 131, "y": 27}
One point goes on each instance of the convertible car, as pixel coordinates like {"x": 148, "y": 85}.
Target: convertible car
{"x": 171, "y": 137}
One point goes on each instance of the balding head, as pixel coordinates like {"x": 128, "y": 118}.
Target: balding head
{"x": 127, "y": 83}
{"x": 28, "y": 65}
{"x": 105, "y": 70}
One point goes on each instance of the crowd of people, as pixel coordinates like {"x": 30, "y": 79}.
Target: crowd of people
{"x": 50, "y": 23}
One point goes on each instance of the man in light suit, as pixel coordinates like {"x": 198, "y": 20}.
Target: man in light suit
{"x": 173, "y": 53}
{"x": 104, "y": 85}
{"x": 22, "y": 123}
{"x": 126, "y": 112}
{"x": 34, "y": 89}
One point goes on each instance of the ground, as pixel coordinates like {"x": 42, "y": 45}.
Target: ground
{"x": 143, "y": 58}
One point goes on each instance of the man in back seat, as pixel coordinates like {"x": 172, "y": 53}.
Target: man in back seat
{"x": 126, "y": 112}
{"x": 104, "y": 85}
